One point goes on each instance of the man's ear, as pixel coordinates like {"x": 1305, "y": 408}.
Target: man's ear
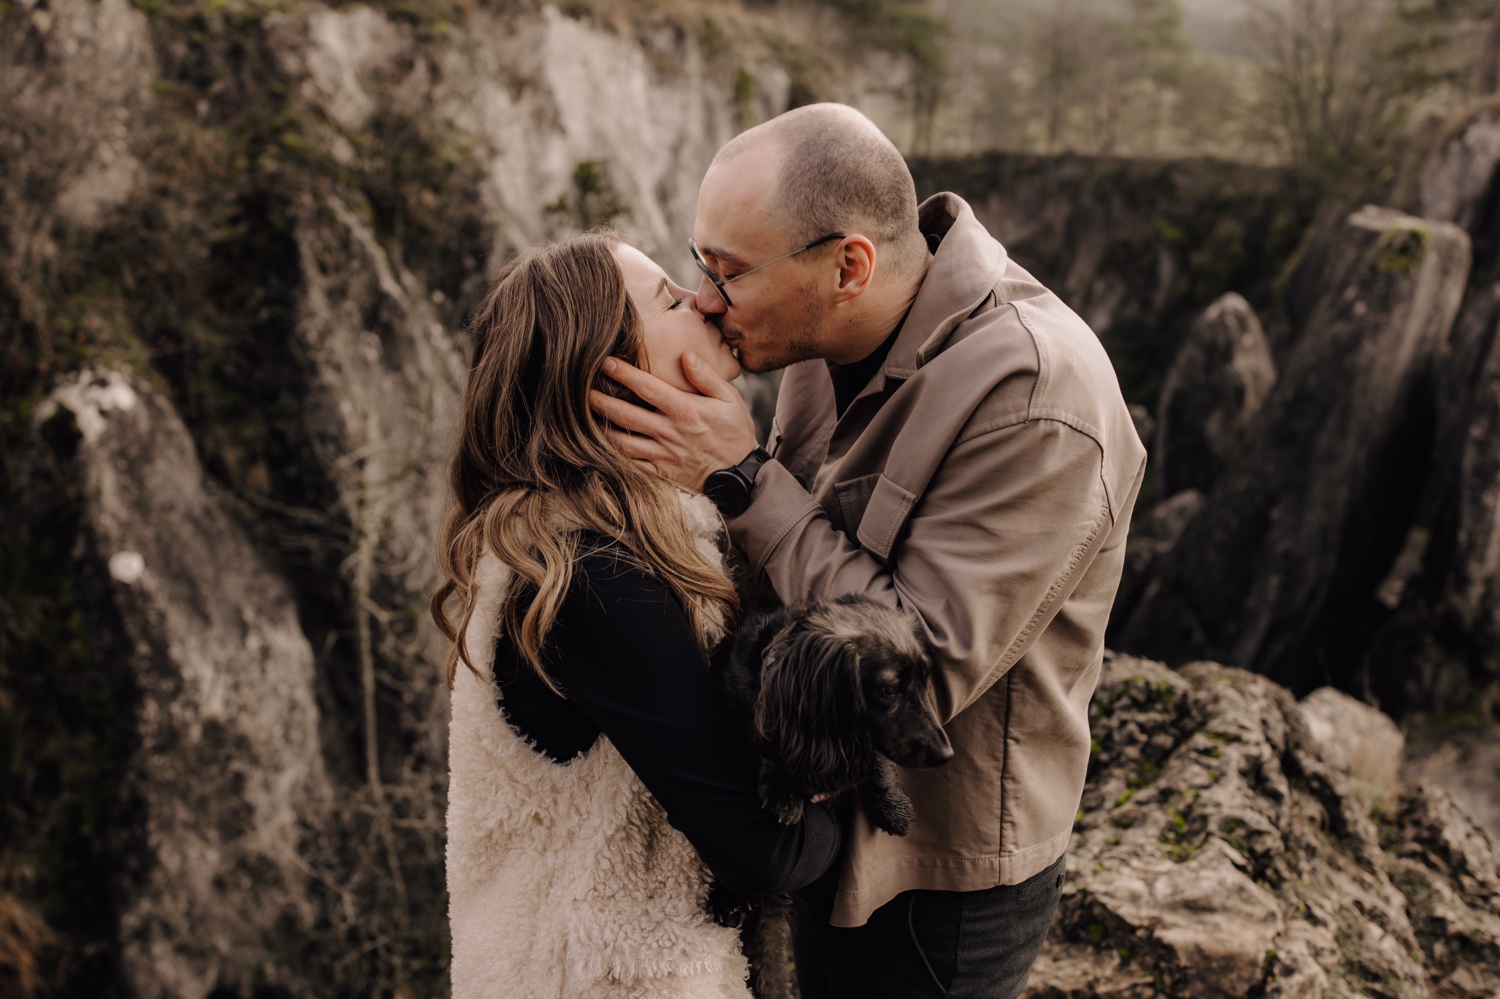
{"x": 856, "y": 267}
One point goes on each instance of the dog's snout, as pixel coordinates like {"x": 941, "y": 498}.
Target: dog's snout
{"x": 939, "y": 751}
{"x": 923, "y": 746}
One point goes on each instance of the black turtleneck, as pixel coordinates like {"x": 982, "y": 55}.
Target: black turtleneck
{"x": 850, "y": 379}
{"x": 624, "y": 655}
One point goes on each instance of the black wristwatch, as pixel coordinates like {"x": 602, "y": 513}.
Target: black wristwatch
{"x": 730, "y": 488}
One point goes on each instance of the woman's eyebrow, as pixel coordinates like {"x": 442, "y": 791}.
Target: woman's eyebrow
{"x": 660, "y": 288}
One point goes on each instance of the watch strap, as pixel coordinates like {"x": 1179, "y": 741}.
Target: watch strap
{"x": 750, "y": 467}
{"x": 730, "y": 488}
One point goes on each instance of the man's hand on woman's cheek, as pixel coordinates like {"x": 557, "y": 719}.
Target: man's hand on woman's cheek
{"x": 690, "y": 436}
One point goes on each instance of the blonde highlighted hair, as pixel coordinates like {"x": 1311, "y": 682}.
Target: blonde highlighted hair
{"x": 534, "y": 465}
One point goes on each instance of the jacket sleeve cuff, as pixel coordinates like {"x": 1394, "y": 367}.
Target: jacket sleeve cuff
{"x": 778, "y": 504}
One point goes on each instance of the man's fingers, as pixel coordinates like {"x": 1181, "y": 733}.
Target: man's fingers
{"x": 646, "y": 385}
{"x": 627, "y": 443}
{"x": 706, "y": 380}
{"x": 628, "y": 415}
{"x": 639, "y": 448}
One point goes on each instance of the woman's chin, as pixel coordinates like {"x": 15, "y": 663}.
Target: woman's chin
{"x": 726, "y": 362}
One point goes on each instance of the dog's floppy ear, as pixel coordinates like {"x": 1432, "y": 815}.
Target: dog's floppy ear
{"x": 810, "y": 702}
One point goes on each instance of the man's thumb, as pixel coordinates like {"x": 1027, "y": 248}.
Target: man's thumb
{"x": 705, "y": 378}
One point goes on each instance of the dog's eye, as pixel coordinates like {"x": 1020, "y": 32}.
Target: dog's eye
{"x": 889, "y": 690}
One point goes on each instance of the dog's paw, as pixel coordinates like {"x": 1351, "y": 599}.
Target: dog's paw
{"x": 890, "y": 808}
{"x": 788, "y": 809}
{"x": 778, "y": 796}
{"x": 894, "y": 820}
{"x": 730, "y": 908}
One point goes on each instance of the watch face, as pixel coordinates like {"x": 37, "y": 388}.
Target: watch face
{"x": 727, "y": 491}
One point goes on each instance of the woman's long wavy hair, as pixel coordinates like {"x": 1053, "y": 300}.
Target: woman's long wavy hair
{"x": 533, "y": 463}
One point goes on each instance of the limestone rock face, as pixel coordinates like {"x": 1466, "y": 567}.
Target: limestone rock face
{"x": 1213, "y": 390}
{"x": 1439, "y": 648}
{"x": 534, "y": 98}
{"x": 1459, "y": 175}
{"x": 1158, "y": 531}
{"x": 1152, "y": 536}
{"x": 1299, "y": 527}
{"x": 88, "y": 113}
{"x": 1220, "y": 852}
{"x": 228, "y": 772}
{"x": 1137, "y": 248}
{"x": 273, "y": 227}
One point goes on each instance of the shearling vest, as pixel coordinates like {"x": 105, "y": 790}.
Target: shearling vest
{"x": 565, "y": 880}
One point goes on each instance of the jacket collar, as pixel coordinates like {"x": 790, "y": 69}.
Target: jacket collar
{"x": 964, "y": 270}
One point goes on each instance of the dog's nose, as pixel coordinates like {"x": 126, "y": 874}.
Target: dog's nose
{"x": 938, "y": 752}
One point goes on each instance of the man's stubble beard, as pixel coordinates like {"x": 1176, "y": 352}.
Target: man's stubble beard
{"x": 801, "y": 343}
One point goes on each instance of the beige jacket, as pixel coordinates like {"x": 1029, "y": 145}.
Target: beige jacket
{"x": 984, "y": 479}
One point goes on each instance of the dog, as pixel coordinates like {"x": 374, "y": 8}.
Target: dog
{"x": 836, "y": 694}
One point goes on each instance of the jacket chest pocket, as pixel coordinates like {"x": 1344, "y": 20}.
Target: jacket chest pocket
{"x": 874, "y": 509}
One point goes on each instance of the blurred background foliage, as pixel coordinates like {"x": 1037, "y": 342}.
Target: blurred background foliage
{"x": 1324, "y": 85}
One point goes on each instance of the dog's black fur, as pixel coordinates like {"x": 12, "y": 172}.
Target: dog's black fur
{"x": 835, "y": 694}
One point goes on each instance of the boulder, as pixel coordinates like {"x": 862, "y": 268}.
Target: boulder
{"x": 1213, "y": 390}
{"x": 1441, "y": 648}
{"x": 1155, "y": 534}
{"x": 227, "y": 769}
{"x": 1303, "y": 523}
{"x": 1459, "y": 754}
{"x": 1356, "y": 739}
{"x": 1219, "y": 852}
{"x": 1457, "y": 179}
{"x": 1438, "y": 651}
{"x": 1152, "y": 535}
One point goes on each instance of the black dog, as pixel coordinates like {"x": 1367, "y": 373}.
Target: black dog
{"x": 835, "y": 694}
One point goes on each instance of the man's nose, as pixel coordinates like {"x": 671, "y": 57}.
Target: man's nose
{"x": 708, "y": 299}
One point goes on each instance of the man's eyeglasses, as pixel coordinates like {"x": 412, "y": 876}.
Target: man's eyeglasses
{"x": 719, "y": 282}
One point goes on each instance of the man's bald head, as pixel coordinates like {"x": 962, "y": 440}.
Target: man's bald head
{"x": 837, "y": 172}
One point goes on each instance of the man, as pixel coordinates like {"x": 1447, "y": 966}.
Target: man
{"x": 951, "y": 439}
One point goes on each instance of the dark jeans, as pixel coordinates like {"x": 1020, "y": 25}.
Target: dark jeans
{"x": 970, "y": 944}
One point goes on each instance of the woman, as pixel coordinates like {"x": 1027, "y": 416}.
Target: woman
{"x": 592, "y": 761}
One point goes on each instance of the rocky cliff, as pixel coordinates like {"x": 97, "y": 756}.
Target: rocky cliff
{"x": 237, "y": 248}
{"x": 238, "y": 243}
{"x": 1344, "y": 532}
{"x": 1138, "y": 248}
{"x": 1233, "y": 842}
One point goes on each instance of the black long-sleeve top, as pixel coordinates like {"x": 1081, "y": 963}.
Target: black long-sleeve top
{"x": 625, "y": 657}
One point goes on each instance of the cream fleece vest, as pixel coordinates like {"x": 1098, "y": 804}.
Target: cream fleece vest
{"x": 565, "y": 881}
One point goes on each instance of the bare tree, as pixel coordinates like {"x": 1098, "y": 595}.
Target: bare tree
{"x": 1095, "y": 67}
{"x": 1329, "y": 93}
{"x": 1489, "y": 59}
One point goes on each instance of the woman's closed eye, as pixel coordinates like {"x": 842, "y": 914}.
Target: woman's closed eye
{"x": 675, "y": 303}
